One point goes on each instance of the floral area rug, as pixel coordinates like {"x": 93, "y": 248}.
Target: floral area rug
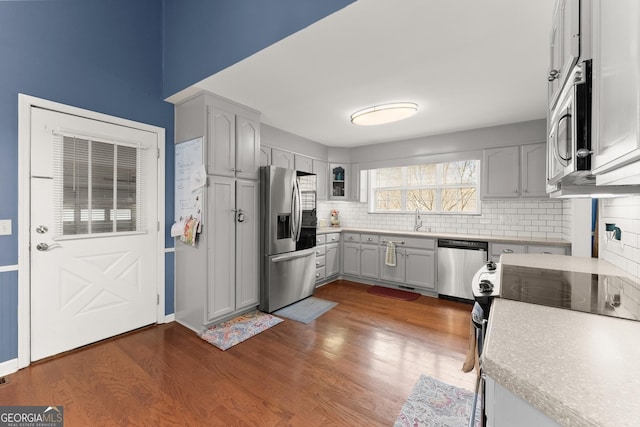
{"x": 436, "y": 404}
{"x": 241, "y": 328}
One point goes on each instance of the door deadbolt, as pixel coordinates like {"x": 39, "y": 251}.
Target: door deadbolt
{"x": 41, "y": 229}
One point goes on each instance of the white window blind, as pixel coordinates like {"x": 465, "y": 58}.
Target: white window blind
{"x": 99, "y": 186}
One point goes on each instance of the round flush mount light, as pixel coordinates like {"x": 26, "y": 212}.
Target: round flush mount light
{"x": 385, "y": 113}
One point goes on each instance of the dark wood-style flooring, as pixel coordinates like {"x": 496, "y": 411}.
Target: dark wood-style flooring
{"x": 353, "y": 366}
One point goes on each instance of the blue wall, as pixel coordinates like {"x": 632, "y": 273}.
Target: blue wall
{"x": 203, "y": 37}
{"x": 121, "y": 57}
{"x": 8, "y": 315}
{"x": 102, "y": 55}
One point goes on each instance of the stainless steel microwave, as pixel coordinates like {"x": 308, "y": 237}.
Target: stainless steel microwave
{"x": 569, "y": 134}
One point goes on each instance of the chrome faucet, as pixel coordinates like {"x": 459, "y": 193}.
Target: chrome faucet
{"x": 417, "y": 221}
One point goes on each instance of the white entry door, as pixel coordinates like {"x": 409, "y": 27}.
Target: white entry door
{"x": 93, "y": 238}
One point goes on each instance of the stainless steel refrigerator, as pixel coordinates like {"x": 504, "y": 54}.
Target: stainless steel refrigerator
{"x": 288, "y": 238}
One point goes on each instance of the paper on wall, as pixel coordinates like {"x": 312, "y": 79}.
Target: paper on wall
{"x": 177, "y": 229}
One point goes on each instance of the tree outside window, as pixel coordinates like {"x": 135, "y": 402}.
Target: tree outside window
{"x": 437, "y": 188}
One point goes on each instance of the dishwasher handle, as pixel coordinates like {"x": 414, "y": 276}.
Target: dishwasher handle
{"x": 471, "y": 245}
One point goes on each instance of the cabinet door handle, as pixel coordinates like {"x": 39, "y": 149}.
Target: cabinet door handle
{"x": 369, "y": 239}
{"x": 507, "y": 251}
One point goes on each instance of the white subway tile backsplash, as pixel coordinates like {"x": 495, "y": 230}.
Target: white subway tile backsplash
{"x": 531, "y": 218}
{"x": 625, "y": 213}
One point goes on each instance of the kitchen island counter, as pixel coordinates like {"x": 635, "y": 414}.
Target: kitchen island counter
{"x": 445, "y": 235}
{"x": 579, "y": 369}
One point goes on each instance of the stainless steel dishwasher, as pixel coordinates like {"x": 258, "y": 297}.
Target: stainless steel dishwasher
{"x": 458, "y": 261}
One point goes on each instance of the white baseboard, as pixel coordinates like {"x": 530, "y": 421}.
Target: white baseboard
{"x": 9, "y": 367}
{"x": 170, "y": 318}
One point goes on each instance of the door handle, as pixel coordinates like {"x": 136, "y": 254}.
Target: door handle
{"x": 240, "y": 215}
{"x": 45, "y": 247}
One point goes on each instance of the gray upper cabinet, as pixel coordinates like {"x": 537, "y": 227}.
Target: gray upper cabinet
{"x": 281, "y": 158}
{"x": 234, "y": 142}
{"x": 339, "y": 182}
{"x": 320, "y": 168}
{"x": 565, "y": 45}
{"x": 500, "y": 172}
{"x": 247, "y": 147}
{"x": 265, "y": 155}
{"x": 511, "y": 172}
{"x": 616, "y": 92}
{"x": 303, "y": 163}
{"x": 532, "y": 171}
{"x": 221, "y": 147}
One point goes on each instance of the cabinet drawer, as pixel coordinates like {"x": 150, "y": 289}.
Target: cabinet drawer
{"x": 498, "y": 249}
{"x": 321, "y": 239}
{"x": 539, "y": 249}
{"x": 333, "y": 237}
{"x": 373, "y": 239}
{"x": 409, "y": 242}
{"x": 320, "y": 273}
{"x": 320, "y": 261}
{"x": 351, "y": 237}
{"x": 320, "y": 250}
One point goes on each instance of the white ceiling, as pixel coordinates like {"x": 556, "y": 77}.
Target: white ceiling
{"x": 467, "y": 63}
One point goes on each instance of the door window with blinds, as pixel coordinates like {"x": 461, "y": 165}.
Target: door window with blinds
{"x": 99, "y": 186}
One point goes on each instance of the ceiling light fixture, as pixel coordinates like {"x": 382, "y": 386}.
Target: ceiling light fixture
{"x": 385, "y": 113}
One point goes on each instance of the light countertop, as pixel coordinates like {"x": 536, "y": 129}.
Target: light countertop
{"x": 580, "y": 369}
{"x": 443, "y": 235}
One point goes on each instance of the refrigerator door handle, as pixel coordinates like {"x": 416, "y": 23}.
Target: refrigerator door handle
{"x": 299, "y": 210}
{"x": 296, "y": 211}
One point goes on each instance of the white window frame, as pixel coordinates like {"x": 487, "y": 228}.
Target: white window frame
{"x": 438, "y": 187}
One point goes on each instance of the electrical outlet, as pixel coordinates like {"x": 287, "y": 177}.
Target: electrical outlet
{"x": 5, "y": 227}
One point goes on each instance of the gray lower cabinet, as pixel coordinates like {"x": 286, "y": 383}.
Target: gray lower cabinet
{"x": 327, "y": 257}
{"x": 497, "y": 249}
{"x": 332, "y": 262}
{"x": 369, "y": 261}
{"x": 351, "y": 258}
{"x": 420, "y": 268}
{"x": 392, "y": 273}
{"x": 415, "y": 262}
{"x": 218, "y": 278}
{"x": 505, "y": 409}
{"x": 360, "y": 255}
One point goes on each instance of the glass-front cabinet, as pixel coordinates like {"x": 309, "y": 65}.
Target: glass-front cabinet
{"x": 339, "y": 178}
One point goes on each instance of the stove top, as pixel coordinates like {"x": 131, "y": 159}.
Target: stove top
{"x": 592, "y": 293}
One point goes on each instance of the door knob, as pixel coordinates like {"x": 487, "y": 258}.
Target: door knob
{"x": 45, "y": 247}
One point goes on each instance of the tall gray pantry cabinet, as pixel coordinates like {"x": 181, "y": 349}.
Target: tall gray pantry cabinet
{"x": 218, "y": 278}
